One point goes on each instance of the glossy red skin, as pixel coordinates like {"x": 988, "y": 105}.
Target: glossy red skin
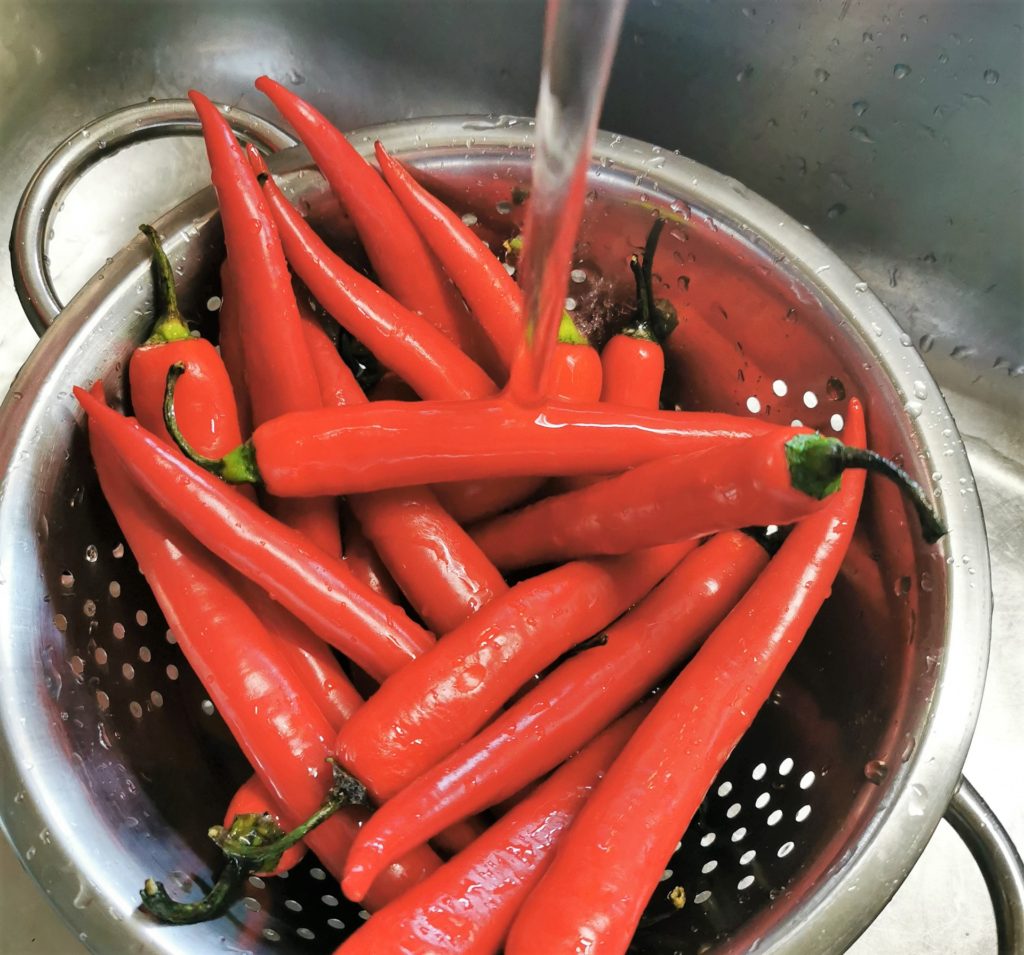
{"x": 278, "y": 369}
{"x": 432, "y": 706}
{"x": 270, "y": 713}
{"x": 400, "y": 258}
{"x": 231, "y": 348}
{"x": 400, "y": 443}
{"x": 493, "y": 297}
{"x": 629, "y": 829}
{"x": 204, "y": 403}
{"x": 365, "y": 562}
{"x": 439, "y": 568}
{"x": 316, "y": 587}
{"x": 575, "y": 373}
{"x": 569, "y": 706}
{"x": 466, "y": 907}
{"x": 633, "y": 371}
{"x": 207, "y": 417}
{"x": 680, "y": 497}
{"x": 401, "y": 340}
{"x": 252, "y": 797}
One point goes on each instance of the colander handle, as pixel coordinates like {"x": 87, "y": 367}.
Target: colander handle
{"x": 82, "y": 149}
{"x": 998, "y": 859}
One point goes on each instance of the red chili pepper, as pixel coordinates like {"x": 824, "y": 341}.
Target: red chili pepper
{"x": 276, "y": 723}
{"x": 278, "y": 368}
{"x": 211, "y": 416}
{"x": 576, "y": 373}
{"x": 568, "y": 707}
{"x": 467, "y": 906}
{"x": 397, "y": 444}
{"x": 252, "y": 797}
{"x": 633, "y": 371}
{"x": 401, "y": 340}
{"x": 316, "y": 587}
{"x": 629, "y": 828}
{"x": 231, "y": 349}
{"x": 493, "y": 297}
{"x": 422, "y": 713}
{"x": 772, "y": 479}
{"x": 364, "y": 561}
{"x": 437, "y": 564}
{"x": 399, "y": 256}
{"x": 471, "y": 501}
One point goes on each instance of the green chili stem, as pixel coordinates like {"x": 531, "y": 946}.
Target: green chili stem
{"x": 238, "y": 466}
{"x": 169, "y": 325}
{"x": 816, "y": 464}
{"x": 253, "y": 842}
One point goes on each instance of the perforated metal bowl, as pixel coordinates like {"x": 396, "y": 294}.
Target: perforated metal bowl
{"x": 114, "y": 764}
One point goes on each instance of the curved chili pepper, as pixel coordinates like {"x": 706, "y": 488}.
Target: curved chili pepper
{"x": 364, "y": 561}
{"x": 576, "y": 373}
{"x": 401, "y": 443}
{"x": 401, "y": 340}
{"x": 493, "y": 297}
{"x": 772, "y": 479}
{"x": 570, "y": 705}
{"x": 466, "y": 907}
{"x": 423, "y": 712}
{"x": 629, "y": 828}
{"x": 399, "y": 256}
{"x": 231, "y": 348}
{"x": 436, "y": 563}
{"x": 278, "y": 368}
{"x": 252, "y": 797}
{"x": 211, "y": 416}
{"x": 276, "y": 723}
{"x": 471, "y": 501}
{"x": 316, "y": 587}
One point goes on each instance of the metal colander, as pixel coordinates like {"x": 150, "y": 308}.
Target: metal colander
{"x": 115, "y": 763}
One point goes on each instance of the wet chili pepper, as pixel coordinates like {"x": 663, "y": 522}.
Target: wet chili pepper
{"x": 771, "y": 479}
{"x": 570, "y": 705}
{"x": 396, "y": 444}
{"x": 493, "y": 297}
{"x": 406, "y": 343}
{"x": 316, "y": 587}
{"x": 423, "y": 712}
{"x": 247, "y": 673}
{"x": 466, "y": 907}
{"x": 278, "y": 369}
{"x": 629, "y": 829}
{"x": 400, "y": 258}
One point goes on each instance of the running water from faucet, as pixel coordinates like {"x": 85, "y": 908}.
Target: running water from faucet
{"x": 579, "y": 45}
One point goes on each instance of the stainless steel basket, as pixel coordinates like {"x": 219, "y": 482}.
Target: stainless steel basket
{"x": 114, "y": 764}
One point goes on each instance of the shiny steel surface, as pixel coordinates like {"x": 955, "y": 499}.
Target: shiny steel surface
{"x": 913, "y": 179}
{"x": 899, "y": 687}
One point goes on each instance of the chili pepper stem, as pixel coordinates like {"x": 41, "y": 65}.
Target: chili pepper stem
{"x": 253, "y": 842}
{"x": 655, "y": 319}
{"x": 169, "y": 326}
{"x": 238, "y": 466}
{"x": 816, "y": 464}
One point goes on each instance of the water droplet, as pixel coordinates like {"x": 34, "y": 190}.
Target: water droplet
{"x": 821, "y": 76}
{"x": 836, "y": 211}
{"x": 909, "y": 745}
{"x": 901, "y": 71}
{"x": 991, "y": 77}
{"x": 860, "y": 107}
{"x": 745, "y": 73}
{"x": 913, "y": 409}
{"x": 876, "y": 770}
{"x": 927, "y": 584}
{"x": 918, "y": 800}
{"x": 905, "y": 340}
{"x": 861, "y": 134}
{"x": 860, "y": 287}
{"x": 920, "y": 390}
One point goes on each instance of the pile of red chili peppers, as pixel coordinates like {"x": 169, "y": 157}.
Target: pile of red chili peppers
{"x": 522, "y": 754}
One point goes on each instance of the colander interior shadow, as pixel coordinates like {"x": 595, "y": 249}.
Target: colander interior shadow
{"x": 799, "y": 793}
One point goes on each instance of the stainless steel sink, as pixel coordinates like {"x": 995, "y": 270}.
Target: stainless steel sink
{"x": 895, "y": 132}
